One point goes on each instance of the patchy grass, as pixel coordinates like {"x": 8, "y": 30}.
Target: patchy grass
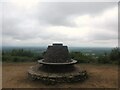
{"x": 100, "y": 76}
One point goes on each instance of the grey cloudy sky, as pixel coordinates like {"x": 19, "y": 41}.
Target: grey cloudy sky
{"x": 91, "y": 24}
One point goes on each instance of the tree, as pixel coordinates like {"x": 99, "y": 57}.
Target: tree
{"x": 104, "y": 58}
{"x": 115, "y": 54}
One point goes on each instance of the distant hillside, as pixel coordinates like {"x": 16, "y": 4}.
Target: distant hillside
{"x": 96, "y": 50}
{"x": 81, "y": 54}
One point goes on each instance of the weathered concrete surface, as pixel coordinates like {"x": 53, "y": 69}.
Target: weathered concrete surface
{"x": 56, "y": 67}
{"x": 57, "y": 54}
{"x": 35, "y": 72}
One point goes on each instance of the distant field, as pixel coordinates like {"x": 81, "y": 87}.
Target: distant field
{"x": 100, "y": 76}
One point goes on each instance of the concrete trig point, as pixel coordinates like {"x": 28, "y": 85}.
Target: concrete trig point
{"x": 57, "y": 66}
{"x": 57, "y": 55}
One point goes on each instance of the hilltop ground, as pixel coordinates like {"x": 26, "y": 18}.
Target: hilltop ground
{"x": 100, "y": 76}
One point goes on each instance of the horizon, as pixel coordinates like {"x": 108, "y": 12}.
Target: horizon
{"x": 47, "y": 46}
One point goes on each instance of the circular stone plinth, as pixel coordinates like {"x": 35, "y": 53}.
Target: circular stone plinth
{"x": 65, "y": 63}
{"x": 52, "y": 78}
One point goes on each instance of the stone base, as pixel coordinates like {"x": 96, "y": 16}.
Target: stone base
{"x": 35, "y": 72}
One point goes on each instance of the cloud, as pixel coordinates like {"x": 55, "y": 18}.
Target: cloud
{"x": 75, "y": 24}
{"x": 60, "y": 13}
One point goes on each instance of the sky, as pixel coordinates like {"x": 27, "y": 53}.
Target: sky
{"x": 81, "y": 24}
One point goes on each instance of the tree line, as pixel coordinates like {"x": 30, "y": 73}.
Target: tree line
{"x": 21, "y": 55}
{"x": 106, "y": 58}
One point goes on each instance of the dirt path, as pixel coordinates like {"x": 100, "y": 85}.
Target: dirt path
{"x": 100, "y": 76}
{"x": 0, "y": 75}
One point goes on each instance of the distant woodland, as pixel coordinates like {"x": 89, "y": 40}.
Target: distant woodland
{"x": 22, "y": 55}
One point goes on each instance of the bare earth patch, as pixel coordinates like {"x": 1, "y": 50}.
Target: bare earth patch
{"x": 100, "y": 76}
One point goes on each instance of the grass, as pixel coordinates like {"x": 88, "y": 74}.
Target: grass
{"x": 100, "y": 76}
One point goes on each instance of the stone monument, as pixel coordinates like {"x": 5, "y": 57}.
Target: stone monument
{"x": 57, "y": 67}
